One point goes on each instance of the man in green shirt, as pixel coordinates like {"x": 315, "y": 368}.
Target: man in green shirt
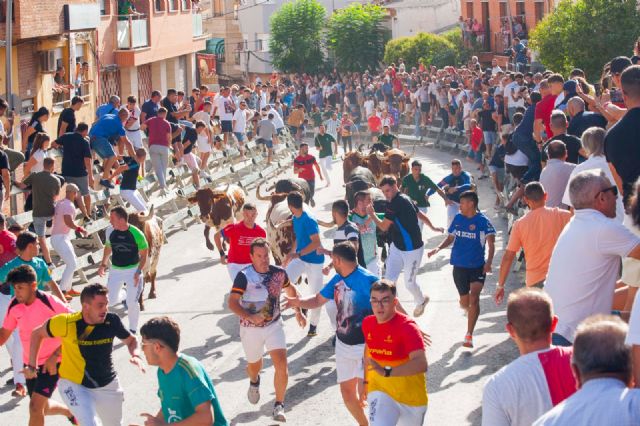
{"x": 327, "y": 146}
{"x": 316, "y": 117}
{"x": 128, "y": 249}
{"x": 416, "y": 184}
{"x": 387, "y": 138}
{"x": 184, "y": 387}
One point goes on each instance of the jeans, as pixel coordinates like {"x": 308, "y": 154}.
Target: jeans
{"x": 347, "y": 140}
{"x": 159, "y": 156}
{"x": 416, "y": 121}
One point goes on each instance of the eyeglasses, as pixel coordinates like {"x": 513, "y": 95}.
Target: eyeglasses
{"x": 613, "y": 189}
{"x": 381, "y": 302}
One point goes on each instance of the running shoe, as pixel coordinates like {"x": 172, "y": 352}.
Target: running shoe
{"x": 468, "y": 341}
{"x": 419, "y": 310}
{"x": 19, "y": 391}
{"x": 253, "y": 394}
{"x": 278, "y": 412}
{"x": 106, "y": 183}
{"x": 312, "y": 331}
{"x": 68, "y": 298}
{"x": 73, "y": 420}
{"x": 72, "y": 293}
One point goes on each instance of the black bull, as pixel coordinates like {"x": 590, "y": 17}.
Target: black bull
{"x": 361, "y": 179}
{"x": 293, "y": 184}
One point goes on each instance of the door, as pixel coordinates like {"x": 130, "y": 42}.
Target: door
{"x": 144, "y": 83}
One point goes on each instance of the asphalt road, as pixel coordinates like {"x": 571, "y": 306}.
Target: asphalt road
{"x": 192, "y": 286}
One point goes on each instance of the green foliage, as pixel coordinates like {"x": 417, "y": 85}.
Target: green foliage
{"x": 297, "y": 36}
{"x": 430, "y": 49}
{"x": 586, "y": 34}
{"x": 455, "y": 37}
{"x": 357, "y": 37}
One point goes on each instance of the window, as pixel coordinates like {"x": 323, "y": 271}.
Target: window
{"x": 520, "y": 8}
{"x": 173, "y": 5}
{"x": 503, "y": 9}
{"x": 104, "y": 4}
{"x": 218, "y": 7}
{"x": 236, "y": 9}
{"x": 539, "y": 10}
{"x": 159, "y": 5}
{"x": 469, "y": 10}
{"x": 262, "y": 42}
{"x": 185, "y": 4}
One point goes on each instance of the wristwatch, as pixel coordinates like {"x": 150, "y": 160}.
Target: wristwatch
{"x": 387, "y": 371}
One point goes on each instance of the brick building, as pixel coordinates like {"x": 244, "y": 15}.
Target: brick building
{"x": 153, "y": 50}
{"x": 495, "y": 15}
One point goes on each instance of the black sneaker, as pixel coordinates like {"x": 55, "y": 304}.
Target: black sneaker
{"x": 106, "y": 183}
{"x": 312, "y": 331}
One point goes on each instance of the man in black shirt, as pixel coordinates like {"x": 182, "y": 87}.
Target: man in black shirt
{"x": 5, "y": 193}
{"x": 621, "y": 145}
{"x": 67, "y": 119}
{"x": 76, "y": 164}
{"x": 129, "y": 181}
{"x": 173, "y": 115}
{"x": 401, "y": 219}
{"x": 581, "y": 120}
{"x": 575, "y": 152}
{"x": 488, "y": 126}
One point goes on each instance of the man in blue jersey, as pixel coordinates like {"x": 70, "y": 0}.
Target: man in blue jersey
{"x": 185, "y": 390}
{"x": 407, "y": 247}
{"x": 469, "y": 232}
{"x": 304, "y": 258}
{"x": 453, "y": 185}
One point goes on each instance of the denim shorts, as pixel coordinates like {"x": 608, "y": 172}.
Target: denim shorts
{"x": 239, "y": 136}
{"x": 226, "y": 126}
{"x": 102, "y": 147}
{"x": 267, "y": 142}
{"x": 490, "y": 137}
{"x": 40, "y": 225}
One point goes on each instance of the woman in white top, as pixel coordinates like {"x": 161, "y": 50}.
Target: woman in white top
{"x": 39, "y": 152}
{"x": 61, "y": 236}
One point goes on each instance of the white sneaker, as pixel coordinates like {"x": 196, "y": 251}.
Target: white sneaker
{"x": 253, "y": 394}
{"x": 278, "y": 413}
{"x": 419, "y": 310}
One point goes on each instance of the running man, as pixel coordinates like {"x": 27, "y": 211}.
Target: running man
{"x": 129, "y": 248}
{"x": 368, "y": 248}
{"x": 239, "y": 236}
{"x": 416, "y": 184}
{"x": 88, "y": 383}
{"x": 327, "y": 148}
{"x": 407, "y": 247}
{"x": 396, "y": 362}
{"x": 350, "y": 289}
{"x": 304, "y": 258}
{"x": 255, "y": 299}
{"x": 469, "y": 232}
{"x": 304, "y": 165}
{"x": 387, "y": 138}
{"x": 453, "y": 185}
{"x": 184, "y": 387}
{"x": 29, "y": 309}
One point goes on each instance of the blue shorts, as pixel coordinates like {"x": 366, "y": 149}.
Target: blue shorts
{"x": 267, "y": 142}
{"x": 226, "y": 126}
{"x": 490, "y": 137}
{"x": 476, "y": 156}
{"x": 239, "y": 136}
{"x": 102, "y": 147}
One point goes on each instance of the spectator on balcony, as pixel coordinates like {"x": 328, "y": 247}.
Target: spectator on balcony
{"x": 519, "y": 54}
{"x": 478, "y": 30}
{"x": 126, "y": 8}
{"x": 67, "y": 119}
{"x": 35, "y": 126}
{"x": 60, "y": 86}
{"x": 111, "y": 107}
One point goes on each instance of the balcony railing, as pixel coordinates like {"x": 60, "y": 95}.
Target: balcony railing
{"x": 133, "y": 31}
{"x": 196, "y": 18}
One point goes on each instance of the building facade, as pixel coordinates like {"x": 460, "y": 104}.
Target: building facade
{"x": 151, "y": 49}
{"x": 504, "y": 19}
{"x": 221, "y": 21}
{"x": 410, "y": 17}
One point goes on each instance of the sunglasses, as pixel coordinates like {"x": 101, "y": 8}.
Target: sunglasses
{"x": 613, "y": 189}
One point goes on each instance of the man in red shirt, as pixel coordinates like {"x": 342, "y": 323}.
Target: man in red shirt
{"x": 475, "y": 141}
{"x": 303, "y": 166}
{"x": 375, "y": 124}
{"x": 395, "y": 380}
{"x": 549, "y": 89}
{"x": 239, "y": 236}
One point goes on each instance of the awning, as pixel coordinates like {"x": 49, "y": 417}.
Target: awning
{"x": 215, "y": 46}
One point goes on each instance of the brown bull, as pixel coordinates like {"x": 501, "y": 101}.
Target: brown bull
{"x": 392, "y": 162}
{"x": 151, "y": 226}
{"x": 351, "y": 161}
{"x": 218, "y": 207}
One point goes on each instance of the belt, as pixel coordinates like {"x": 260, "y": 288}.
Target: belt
{"x": 134, "y": 130}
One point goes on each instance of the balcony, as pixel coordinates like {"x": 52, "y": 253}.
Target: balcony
{"x": 196, "y": 19}
{"x": 132, "y": 32}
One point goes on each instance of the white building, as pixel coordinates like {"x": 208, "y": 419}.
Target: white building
{"x": 410, "y": 17}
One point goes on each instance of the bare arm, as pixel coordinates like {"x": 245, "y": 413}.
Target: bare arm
{"x": 63, "y": 128}
{"x": 6, "y": 180}
{"x": 4, "y": 335}
{"x": 317, "y": 167}
{"x": 55, "y": 289}
{"x": 446, "y": 243}
{"x": 417, "y": 364}
{"x": 505, "y": 266}
{"x": 423, "y": 217}
{"x": 29, "y": 165}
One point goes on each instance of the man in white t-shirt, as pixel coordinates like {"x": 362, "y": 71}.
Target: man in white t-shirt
{"x": 585, "y": 263}
{"x": 239, "y": 124}
{"x": 514, "y": 95}
{"x": 541, "y": 377}
{"x": 224, "y": 108}
{"x": 204, "y": 115}
{"x": 277, "y": 118}
{"x": 369, "y": 105}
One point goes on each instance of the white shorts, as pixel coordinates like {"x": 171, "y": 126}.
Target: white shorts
{"x": 203, "y": 145}
{"x": 255, "y": 340}
{"x": 234, "y": 268}
{"x": 136, "y": 139}
{"x": 93, "y": 407}
{"x": 385, "y": 411}
{"x": 191, "y": 161}
{"x": 349, "y": 361}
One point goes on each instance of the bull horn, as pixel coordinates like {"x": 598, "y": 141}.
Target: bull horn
{"x": 326, "y": 224}
{"x": 361, "y": 147}
{"x": 278, "y": 225}
{"x": 260, "y": 197}
{"x": 149, "y": 215}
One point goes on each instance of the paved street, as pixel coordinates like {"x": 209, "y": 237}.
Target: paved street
{"x": 192, "y": 285}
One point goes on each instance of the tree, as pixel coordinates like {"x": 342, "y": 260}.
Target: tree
{"x": 586, "y": 34}
{"x": 430, "y": 49}
{"x": 297, "y": 35}
{"x": 357, "y": 36}
{"x": 455, "y": 37}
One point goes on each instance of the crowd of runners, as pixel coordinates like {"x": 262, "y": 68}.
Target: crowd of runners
{"x": 571, "y": 146}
